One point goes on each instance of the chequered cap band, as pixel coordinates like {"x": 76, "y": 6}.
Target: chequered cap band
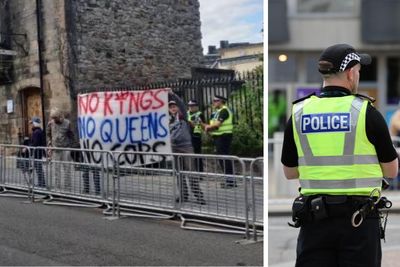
{"x": 350, "y": 57}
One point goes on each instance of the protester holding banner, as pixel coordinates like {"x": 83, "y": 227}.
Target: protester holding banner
{"x": 181, "y": 142}
{"x": 60, "y": 135}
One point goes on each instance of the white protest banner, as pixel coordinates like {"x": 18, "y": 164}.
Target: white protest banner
{"x": 130, "y": 121}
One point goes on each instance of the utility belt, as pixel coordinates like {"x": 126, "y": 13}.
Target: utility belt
{"x": 307, "y": 209}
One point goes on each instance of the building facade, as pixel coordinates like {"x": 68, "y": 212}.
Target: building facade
{"x": 240, "y": 57}
{"x": 298, "y": 31}
{"x": 88, "y": 44}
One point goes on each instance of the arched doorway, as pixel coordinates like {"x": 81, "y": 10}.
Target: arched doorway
{"x": 31, "y": 107}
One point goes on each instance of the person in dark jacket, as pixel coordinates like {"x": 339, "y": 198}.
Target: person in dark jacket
{"x": 37, "y": 140}
{"x": 23, "y": 162}
{"x": 181, "y": 142}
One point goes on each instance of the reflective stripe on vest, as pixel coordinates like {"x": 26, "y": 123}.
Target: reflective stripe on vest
{"x": 196, "y": 117}
{"x": 340, "y": 184}
{"x": 226, "y": 126}
{"x": 349, "y": 172}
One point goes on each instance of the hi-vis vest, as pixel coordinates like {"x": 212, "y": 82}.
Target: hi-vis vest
{"x": 335, "y": 155}
{"x": 227, "y": 125}
{"x": 195, "y": 117}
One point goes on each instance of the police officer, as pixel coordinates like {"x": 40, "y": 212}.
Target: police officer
{"x": 339, "y": 147}
{"x": 196, "y": 121}
{"x": 220, "y": 128}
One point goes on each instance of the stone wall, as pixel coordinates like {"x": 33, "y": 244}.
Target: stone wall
{"x": 92, "y": 43}
{"x": 23, "y": 20}
{"x": 128, "y": 42}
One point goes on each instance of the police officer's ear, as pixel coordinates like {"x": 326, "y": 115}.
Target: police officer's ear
{"x": 350, "y": 74}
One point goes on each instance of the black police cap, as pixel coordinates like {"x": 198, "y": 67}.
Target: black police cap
{"x": 193, "y": 103}
{"x": 339, "y": 57}
{"x": 219, "y": 97}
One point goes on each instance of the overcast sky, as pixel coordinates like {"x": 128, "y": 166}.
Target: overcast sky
{"x": 232, "y": 20}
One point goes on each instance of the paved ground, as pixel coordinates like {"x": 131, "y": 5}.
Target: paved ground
{"x": 37, "y": 234}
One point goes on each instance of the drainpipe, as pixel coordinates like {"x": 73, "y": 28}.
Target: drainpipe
{"x": 41, "y": 67}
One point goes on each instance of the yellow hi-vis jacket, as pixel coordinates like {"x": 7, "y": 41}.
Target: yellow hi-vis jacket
{"x": 335, "y": 155}
{"x": 227, "y": 125}
{"x": 195, "y": 117}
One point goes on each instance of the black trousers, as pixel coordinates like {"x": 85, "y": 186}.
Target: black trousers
{"x": 186, "y": 164}
{"x": 37, "y": 164}
{"x": 96, "y": 179}
{"x": 334, "y": 242}
{"x": 196, "y": 142}
{"x": 223, "y": 146}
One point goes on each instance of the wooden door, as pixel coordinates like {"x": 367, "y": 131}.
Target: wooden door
{"x": 32, "y": 107}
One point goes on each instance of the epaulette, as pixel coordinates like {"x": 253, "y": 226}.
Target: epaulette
{"x": 366, "y": 97}
{"x": 303, "y": 98}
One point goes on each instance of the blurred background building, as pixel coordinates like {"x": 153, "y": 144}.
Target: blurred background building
{"x": 298, "y": 31}
{"x": 240, "y": 57}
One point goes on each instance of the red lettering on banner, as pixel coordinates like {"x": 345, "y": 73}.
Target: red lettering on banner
{"x": 107, "y": 98}
{"x": 83, "y": 104}
{"x": 121, "y": 97}
{"x": 158, "y": 99}
{"x": 96, "y": 98}
{"x": 129, "y": 102}
{"x": 133, "y": 102}
{"x": 145, "y": 103}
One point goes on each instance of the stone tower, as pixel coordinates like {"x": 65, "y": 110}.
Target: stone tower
{"x": 87, "y": 44}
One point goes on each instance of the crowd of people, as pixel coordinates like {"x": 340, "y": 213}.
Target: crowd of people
{"x": 187, "y": 127}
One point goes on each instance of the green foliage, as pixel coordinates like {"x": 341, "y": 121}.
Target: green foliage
{"x": 246, "y": 142}
{"x": 248, "y": 129}
{"x": 247, "y": 106}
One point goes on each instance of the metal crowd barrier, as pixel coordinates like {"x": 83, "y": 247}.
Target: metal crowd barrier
{"x": 16, "y": 171}
{"x": 278, "y": 185}
{"x": 80, "y": 174}
{"x": 257, "y": 185}
{"x": 157, "y": 185}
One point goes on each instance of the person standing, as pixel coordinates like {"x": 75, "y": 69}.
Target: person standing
{"x": 221, "y": 128}
{"x": 181, "y": 142}
{"x": 38, "y": 140}
{"x": 338, "y": 146}
{"x": 60, "y": 135}
{"x": 87, "y": 167}
{"x": 196, "y": 122}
